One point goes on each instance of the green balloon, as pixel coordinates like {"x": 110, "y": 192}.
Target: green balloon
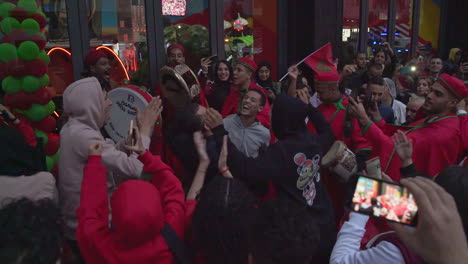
{"x": 44, "y": 57}
{"x": 11, "y": 85}
{"x": 8, "y": 24}
{"x": 43, "y": 135}
{"x": 49, "y": 163}
{"x": 5, "y": 9}
{"x": 7, "y": 52}
{"x": 31, "y": 84}
{"x": 49, "y": 107}
{"x": 28, "y": 50}
{"x": 56, "y": 156}
{"x": 29, "y": 5}
{"x": 30, "y": 26}
{"x": 44, "y": 80}
{"x": 35, "y": 112}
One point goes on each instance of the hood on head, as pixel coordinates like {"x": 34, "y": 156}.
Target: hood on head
{"x": 137, "y": 214}
{"x": 83, "y": 100}
{"x": 288, "y": 116}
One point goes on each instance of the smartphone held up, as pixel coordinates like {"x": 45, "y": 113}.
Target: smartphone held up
{"x": 385, "y": 200}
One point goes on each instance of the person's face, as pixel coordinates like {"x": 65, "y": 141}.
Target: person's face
{"x": 438, "y": 100}
{"x": 264, "y": 73}
{"x": 327, "y": 91}
{"x": 241, "y": 75}
{"x": 376, "y": 92}
{"x": 107, "y": 106}
{"x": 423, "y": 88}
{"x": 361, "y": 60}
{"x": 457, "y": 56}
{"x": 436, "y": 65}
{"x": 223, "y": 72}
{"x": 411, "y": 110}
{"x": 376, "y": 71}
{"x": 251, "y": 104}
{"x": 380, "y": 57}
{"x": 175, "y": 57}
{"x": 102, "y": 69}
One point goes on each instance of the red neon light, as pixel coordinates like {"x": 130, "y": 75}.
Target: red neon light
{"x": 60, "y": 49}
{"x": 115, "y": 55}
{"x": 98, "y": 48}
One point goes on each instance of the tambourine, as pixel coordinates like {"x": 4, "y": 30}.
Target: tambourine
{"x": 340, "y": 160}
{"x": 125, "y": 102}
{"x": 179, "y": 85}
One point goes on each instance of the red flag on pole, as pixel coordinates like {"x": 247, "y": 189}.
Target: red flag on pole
{"x": 321, "y": 61}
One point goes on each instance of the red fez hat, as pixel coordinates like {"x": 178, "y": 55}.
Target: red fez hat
{"x": 248, "y": 63}
{"x": 453, "y": 85}
{"x": 328, "y": 76}
{"x": 93, "y": 56}
{"x": 176, "y": 46}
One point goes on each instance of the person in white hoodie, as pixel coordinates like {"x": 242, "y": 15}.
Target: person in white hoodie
{"x": 87, "y": 106}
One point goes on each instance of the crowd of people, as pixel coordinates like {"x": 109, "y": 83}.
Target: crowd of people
{"x": 236, "y": 175}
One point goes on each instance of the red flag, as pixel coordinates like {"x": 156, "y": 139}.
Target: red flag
{"x": 321, "y": 61}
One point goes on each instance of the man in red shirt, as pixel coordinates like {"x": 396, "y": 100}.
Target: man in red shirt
{"x": 333, "y": 105}
{"x": 439, "y": 140}
{"x": 242, "y": 83}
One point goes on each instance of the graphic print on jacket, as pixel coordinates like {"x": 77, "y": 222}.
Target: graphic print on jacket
{"x": 308, "y": 170}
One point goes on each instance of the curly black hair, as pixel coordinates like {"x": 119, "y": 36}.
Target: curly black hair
{"x": 31, "y": 232}
{"x": 283, "y": 232}
{"x": 221, "y": 221}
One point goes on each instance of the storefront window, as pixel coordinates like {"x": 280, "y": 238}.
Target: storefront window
{"x": 350, "y": 30}
{"x": 377, "y": 25}
{"x": 186, "y": 23}
{"x": 404, "y": 22}
{"x": 119, "y": 28}
{"x": 60, "y": 69}
{"x": 251, "y": 30}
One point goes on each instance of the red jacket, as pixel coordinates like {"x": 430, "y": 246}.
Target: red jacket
{"x": 231, "y": 105}
{"x": 139, "y": 211}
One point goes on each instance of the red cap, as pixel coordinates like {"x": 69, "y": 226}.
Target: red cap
{"x": 453, "y": 85}
{"x": 176, "y": 46}
{"x": 329, "y": 76}
{"x": 93, "y": 56}
{"x": 248, "y": 63}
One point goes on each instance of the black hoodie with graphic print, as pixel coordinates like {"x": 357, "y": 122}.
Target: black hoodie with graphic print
{"x": 292, "y": 164}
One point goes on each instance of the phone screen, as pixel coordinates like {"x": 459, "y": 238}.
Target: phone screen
{"x": 384, "y": 200}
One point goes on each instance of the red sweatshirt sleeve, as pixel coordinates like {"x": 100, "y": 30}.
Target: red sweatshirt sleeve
{"x": 170, "y": 189}
{"x": 359, "y": 142}
{"x": 93, "y": 213}
{"x": 28, "y": 132}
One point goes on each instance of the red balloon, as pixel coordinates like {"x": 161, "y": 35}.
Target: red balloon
{"x": 39, "y": 40}
{"x": 4, "y": 70}
{"x": 17, "y": 68}
{"x": 19, "y": 13}
{"x": 40, "y": 20}
{"x": 20, "y": 100}
{"x": 47, "y": 124}
{"x": 36, "y": 68}
{"x": 41, "y": 96}
{"x": 53, "y": 144}
{"x": 54, "y": 172}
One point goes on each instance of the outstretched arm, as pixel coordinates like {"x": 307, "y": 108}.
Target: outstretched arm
{"x": 93, "y": 213}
